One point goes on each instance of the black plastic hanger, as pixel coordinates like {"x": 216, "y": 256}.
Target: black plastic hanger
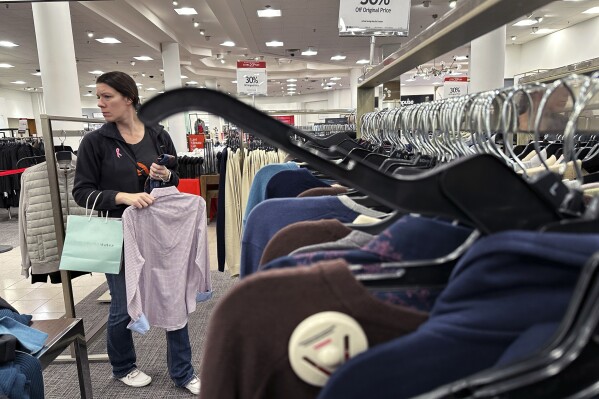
{"x": 479, "y": 191}
{"x": 566, "y": 368}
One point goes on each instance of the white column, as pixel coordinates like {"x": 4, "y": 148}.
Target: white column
{"x": 172, "y": 80}
{"x": 487, "y": 61}
{"x": 354, "y": 74}
{"x": 56, "y": 54}
{"x": 39, "y": 107}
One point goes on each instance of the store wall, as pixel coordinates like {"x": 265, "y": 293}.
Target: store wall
{"x": 15, "y": 104}
{"x": 567, "y": 46}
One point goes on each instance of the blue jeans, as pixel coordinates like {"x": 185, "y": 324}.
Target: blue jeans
{"x": 121, "y": 350}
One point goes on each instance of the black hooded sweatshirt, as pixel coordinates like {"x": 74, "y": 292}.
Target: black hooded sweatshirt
{"x": 106, "y": 163}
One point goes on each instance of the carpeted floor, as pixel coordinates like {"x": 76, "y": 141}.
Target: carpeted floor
{"x": 60, "y": 380}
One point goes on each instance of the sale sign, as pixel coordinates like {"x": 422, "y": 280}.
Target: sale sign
{"x": 251, "y": 77}
{"x": 374, "y": 17}
{"x": 455, "y": 86}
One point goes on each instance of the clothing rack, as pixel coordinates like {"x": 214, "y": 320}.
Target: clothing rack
{"x": 67, "y": 288}
{"x": 468, "y": 21}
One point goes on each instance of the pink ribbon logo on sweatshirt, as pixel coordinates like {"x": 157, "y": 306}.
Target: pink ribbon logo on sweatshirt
{"x": 118, "y": 153}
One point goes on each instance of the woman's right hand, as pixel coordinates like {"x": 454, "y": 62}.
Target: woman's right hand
{"x": 138, "y": 200}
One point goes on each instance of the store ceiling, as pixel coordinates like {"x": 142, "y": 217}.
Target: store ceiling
{"x": 141, "y": 25}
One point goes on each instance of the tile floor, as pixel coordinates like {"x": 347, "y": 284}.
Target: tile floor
{"x": 45, "y": 300}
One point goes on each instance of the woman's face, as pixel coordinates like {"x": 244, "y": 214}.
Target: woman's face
{"x": 113, "y": 104}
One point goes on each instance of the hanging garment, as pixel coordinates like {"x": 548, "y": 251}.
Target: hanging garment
{"x": 321, "y": 191}
{"x": 37, "y": 236}
{"x": 233, "y": 213}
{"x": 291, "y": 183}
{"x": 220, "y": 216}
{"x": 354, "y": 240}
{"x": 258, "y": 190}
{"x": 166, "y": 260}
{"x": 272, "y": 215}
{"x": 506, "y": 283}
{"x": 253, "y": 361}
{"x": 301, "y": 234}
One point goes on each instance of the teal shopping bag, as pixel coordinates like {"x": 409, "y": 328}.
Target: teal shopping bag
{"x": 92, "y": 244}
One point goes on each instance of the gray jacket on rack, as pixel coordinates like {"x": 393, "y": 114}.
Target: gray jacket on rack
{"x": 37, "y": 235}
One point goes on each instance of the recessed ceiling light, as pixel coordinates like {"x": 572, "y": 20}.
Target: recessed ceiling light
{"x": 91, "y": 86}
{"x": 362, "y": 61}
{"x": 460, "y": 57}
{"x": 139, "y": 84}
{"x": 96, "y": 72}
{"x": 151, "y": 89}
{"x": 269, "y": 13}
{"x": 525, "y": 22}
{"x": 228, "y": 43}
{"x": 594, "y": 10}
{"x": 5, "y": 43}
{"x": 88, "y": 95}
{"x": 6, "y": 66}
{"x": 402, "y": 84}
{"x": 89, "y": 33}
{"x": 202, "y": 32}
{"x": 196, "y": 24}
{"x": 184, "y": 77}
{"x": 338, "y": 58}
{"x": 327, "y": 87}
{"x": 335, "y": 78}
{"x": 274, "y": 43}
{"x": 18, "y": 82}
{"x": 191, "y": 82}
{"x": 514, "y": 37}
{"x": 291, "y": 85}
{"x": 186, "y": 11}
{"x": 309, "y": 52}
{"x": 437, "y": 84}
{"x": 160, "y": 92}
{"x": 144, "y": 58}
{"x": 233, "y": 81}
{"x": 108, "y": 40}
{"x": 291, "y": 80}
{"x": 331, "y": 83}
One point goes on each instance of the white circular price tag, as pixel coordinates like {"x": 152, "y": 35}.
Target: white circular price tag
{"x": 323, "y": 342}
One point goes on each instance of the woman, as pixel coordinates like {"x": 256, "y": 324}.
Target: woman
{"x": 116, "y": 160}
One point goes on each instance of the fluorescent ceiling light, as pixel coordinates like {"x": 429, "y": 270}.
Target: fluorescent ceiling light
{"x": 144, "y": 58}
{"x": 338, "y": 58}
{"x": 91, "y": 86}
{"x": 18, "y": 82}
{"x": 331, "y": 83}
{"x": 309, "y": 52}
{"x": 184, "y": 77}
{"x": 137, "y": 84}
{"x": 274, "y": 43}
{"x": 543, "y": 31}
{"x": 461, "y": 57}
{"x": 88, "y": 95}
{"x": 38, "y": 74}
{"x": 228, "y": 43}
{"x": 291, "y": 80}
{"x": 191, "y": 82}
{"x": 525, "y": 22}
{"x": 269, "y": 13}
{"x": 233, "y": 81}
{"x": 362, "y": 61}
{"x": 6, "y": 66}
{"x": 151, "y": 89}
{"x": 335, "y": 78}
{"x": 5, "y": 43}
{"x": 291, "y": 85}
{"x": 594, "y": 10}
{"x": 186, "y": 11}
{"x": 108, "y": 40}
{"x": 96, "y": 72}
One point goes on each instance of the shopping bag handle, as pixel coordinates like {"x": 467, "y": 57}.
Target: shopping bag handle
{"x": 91, "y": 213}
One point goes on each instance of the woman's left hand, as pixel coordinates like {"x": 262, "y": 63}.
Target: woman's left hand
{"x": 159, "y": 172}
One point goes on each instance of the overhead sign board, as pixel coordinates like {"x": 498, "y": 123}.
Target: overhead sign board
{"x": 251, "y": 77}
{"x": 374, "y": 17}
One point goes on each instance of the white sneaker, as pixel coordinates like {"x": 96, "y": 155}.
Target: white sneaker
{"x": 136, "y": 378}
{"x": 194, "y": 385}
